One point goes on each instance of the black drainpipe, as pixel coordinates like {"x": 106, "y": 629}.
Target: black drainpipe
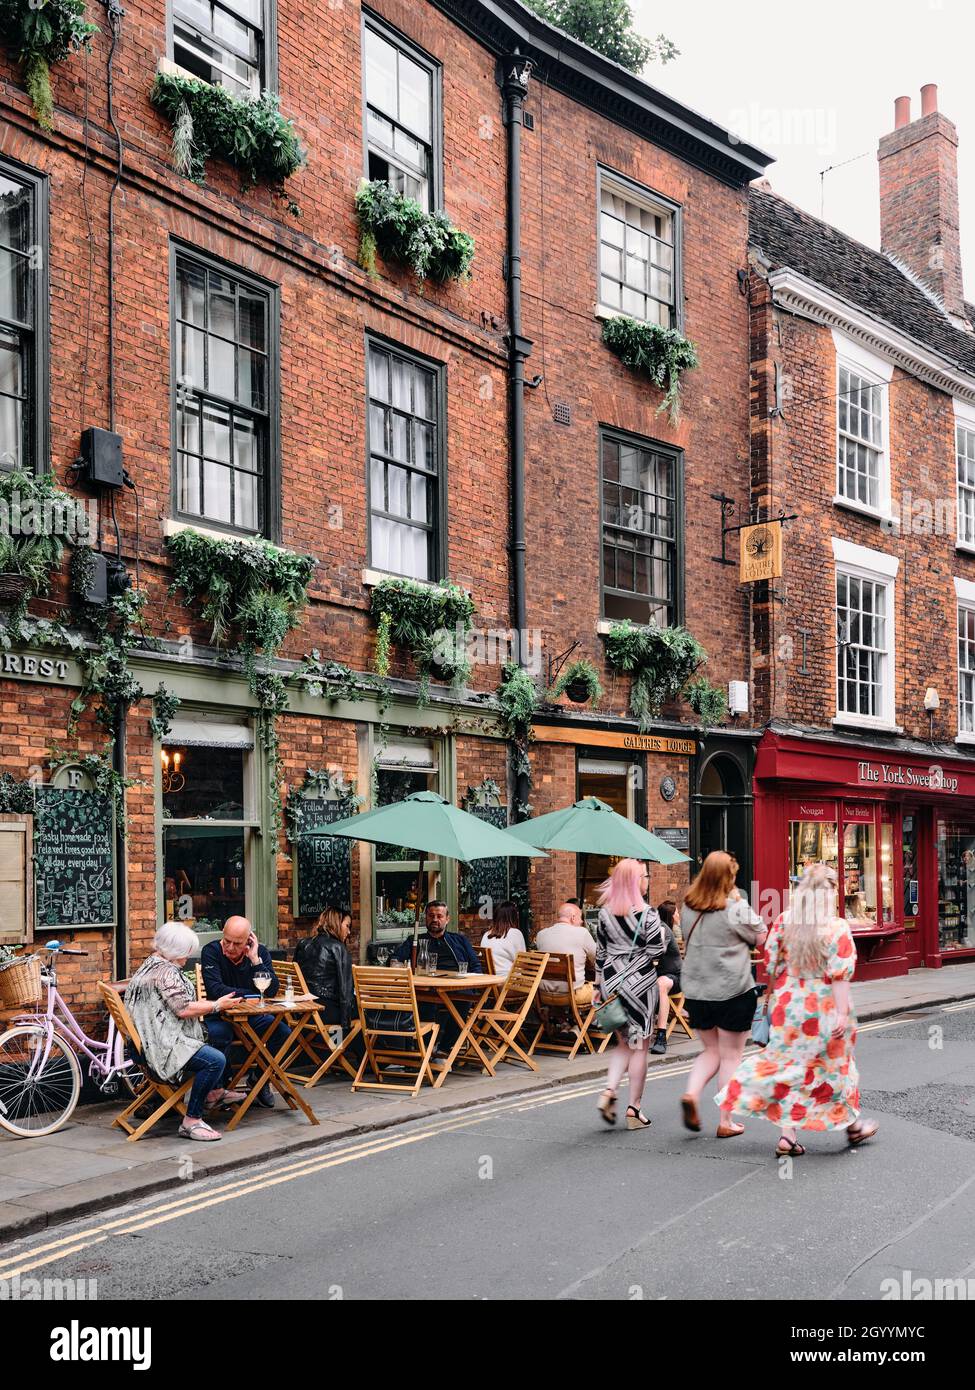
{"x": 514, "y": 76}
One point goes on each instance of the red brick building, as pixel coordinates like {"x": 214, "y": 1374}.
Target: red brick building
{"x": 863, "y": 420}
{"x": 265, "y": 385}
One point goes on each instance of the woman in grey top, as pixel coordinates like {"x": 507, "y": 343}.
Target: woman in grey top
{"x": 719, "y": 930}
{"x": 167, "y": 1017}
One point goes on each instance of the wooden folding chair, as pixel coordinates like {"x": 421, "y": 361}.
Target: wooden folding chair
{"x": 170, "y": 1097}
{"x": 385, "y": 994}
{"x": 676, "y": 1017}
{"x": 486, "y": 957}
{"x": 317, "y": 1039}
{"x": 561, "y": 969}
{"x": 497, "y": 1028}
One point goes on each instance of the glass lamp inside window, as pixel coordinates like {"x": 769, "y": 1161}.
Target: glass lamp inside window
{"x": 202, "y": 783}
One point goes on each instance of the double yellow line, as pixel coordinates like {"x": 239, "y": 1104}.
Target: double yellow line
{"x": 52, "y": 1251}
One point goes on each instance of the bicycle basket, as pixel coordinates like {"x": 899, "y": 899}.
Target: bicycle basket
{"x": 20, "y": 982}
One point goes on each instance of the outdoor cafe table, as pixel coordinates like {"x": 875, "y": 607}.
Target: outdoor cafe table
{"x": 444, "y": 987}
{"x": 298, "y": 1017}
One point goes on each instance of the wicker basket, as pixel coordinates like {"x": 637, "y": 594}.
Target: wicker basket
{"x": 13, "y": 587}
{"x": 20, "y": 982}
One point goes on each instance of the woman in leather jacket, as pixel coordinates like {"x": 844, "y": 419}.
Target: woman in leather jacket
{"x": 327, "y": 966}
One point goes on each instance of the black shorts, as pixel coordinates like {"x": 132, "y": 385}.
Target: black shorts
{"x": 731, "y": 1015}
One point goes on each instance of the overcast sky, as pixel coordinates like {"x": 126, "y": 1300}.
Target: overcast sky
{"x": 814, "y": 84}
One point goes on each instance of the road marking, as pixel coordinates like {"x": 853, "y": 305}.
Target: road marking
{"x": 957, "y": 1008}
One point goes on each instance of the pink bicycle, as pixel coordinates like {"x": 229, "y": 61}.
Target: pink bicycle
{"x": 40, "y": 1074}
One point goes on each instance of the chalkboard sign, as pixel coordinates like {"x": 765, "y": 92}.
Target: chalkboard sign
{"x": 322, "y": 864}
{"x": 486, "y": 878}
{"x": 74, "y": 858}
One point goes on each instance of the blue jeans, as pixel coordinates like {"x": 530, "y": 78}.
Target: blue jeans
{"x": 220, "y": 1031}
{"x": 209, "y": 1065}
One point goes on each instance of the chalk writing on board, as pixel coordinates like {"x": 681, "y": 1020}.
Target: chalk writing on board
{"x": 74, "y": 858}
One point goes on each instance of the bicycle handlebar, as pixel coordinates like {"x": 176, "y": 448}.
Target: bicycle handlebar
{"x": 56, "y": 948}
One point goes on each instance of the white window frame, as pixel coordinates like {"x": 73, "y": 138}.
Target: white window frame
{"x": 964, "y": 422}
{"x": 965, "y": 596}
{"x": 860, "y": 562}
{"x": 654, "y": 203}
{"x": 874, "y": 371}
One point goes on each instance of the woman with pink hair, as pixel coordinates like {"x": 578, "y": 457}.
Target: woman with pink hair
{"x": 629, "y": 941}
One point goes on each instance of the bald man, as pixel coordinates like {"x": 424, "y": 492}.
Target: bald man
{"x": 229, "y": 966}
{"x": 567, "y": 936}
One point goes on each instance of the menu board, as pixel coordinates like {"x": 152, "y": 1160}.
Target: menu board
{"x": 74, "y": 858}
{"x": 322, "y": 863}
{"x": 485, "y": 881}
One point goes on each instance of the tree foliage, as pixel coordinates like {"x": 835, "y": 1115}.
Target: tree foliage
{"x": 607, "y": 26}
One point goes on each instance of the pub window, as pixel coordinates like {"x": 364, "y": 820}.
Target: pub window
{"x": 226, "y": 42}
{"x": 860, "y": 439}
{"x": 23, "y": 311}
{"x": 226, "y": 392}
{"x": 864, "y": 645}
{"x": 637, "y": 253}
{"x": 965, "y": 466}
{"x": 209, "y": 820}
{"x": 402, "y": 117}
{"x": 402, "y": 767}
{"x": 641, "y": 487}
{"x": 966, "y": 669}
{"x": 406, "y": 524}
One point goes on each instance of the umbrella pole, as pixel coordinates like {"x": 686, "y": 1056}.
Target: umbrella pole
{"x": 421, "y": 903}
{"x": 582, "y": 904}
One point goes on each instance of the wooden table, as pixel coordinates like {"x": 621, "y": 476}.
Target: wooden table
{"x": 444, "y": 987}
{"x": 298, "y": 1018}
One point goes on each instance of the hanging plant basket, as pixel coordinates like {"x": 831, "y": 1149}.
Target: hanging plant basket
{"x": 399, "y": 229}
{"x": 41, "y": 34}
{"x": 660, "y": 354}
{"x": 660, "y": 660}
{"x": 580, "y": 683}
{"x": 13, "y": 588}
{"x": 431, "y": 621}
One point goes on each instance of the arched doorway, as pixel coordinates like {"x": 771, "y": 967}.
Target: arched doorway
{"x": 723, "y": 811}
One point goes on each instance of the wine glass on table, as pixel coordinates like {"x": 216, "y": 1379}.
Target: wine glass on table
{"x": 262, "y": 983}
{"x": 382, "y": 955}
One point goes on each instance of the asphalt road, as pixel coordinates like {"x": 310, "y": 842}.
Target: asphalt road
{"x": 536, "y": 1199}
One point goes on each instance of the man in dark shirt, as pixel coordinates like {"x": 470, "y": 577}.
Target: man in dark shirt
{"x": 450, "y": 946}
{"x": 229, "y": 966}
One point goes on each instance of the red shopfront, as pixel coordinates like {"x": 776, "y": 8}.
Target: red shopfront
{"x": 899, "y": 828}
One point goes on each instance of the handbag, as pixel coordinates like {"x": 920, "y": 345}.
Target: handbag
{"x": 611, "y": 1015}
{"x": 761, "y": 1027}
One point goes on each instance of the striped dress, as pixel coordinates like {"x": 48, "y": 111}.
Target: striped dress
{"x": 627, "y": 951}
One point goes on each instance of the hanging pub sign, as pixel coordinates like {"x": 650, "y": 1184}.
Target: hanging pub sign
{"x": 74, "y": 857}
{"x": 761, "y": 552}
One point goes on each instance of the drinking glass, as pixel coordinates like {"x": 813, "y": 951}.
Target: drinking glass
{"x": 382, "y": 955}
{"x": 462, "y": 967}
{"x": 432, "y": 963}
{"x": 262, "y": 982}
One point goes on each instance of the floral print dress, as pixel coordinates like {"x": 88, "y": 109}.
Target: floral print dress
{"x": 804, "y": 1077}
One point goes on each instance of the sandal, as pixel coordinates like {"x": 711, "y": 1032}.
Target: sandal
{"x": 692, "y": 1119}
{"x": 223, "y": 1096}
{"x": 729, "y": 1131}
{"x": 198, "y": 1129}
{"x": 635, "y": 1118}
{"x": 793, "y": 1148}
{"x": 607, "y": 1107}
{"x": 861, "y": 1132}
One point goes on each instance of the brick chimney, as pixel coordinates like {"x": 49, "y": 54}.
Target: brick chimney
{"x": 919, "y": 198}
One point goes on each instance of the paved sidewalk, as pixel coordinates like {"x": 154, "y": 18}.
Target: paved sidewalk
{"x": 88, "y": 1165}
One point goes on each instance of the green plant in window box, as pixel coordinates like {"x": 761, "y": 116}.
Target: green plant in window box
{"x": 431, "y": 621}
{"x": 398, "y": 228}
{"x": 41, "y": 34}
{"x": 209, "y": 122}
{"x": 31, "y": 548}
{"x": 660, "y": 660}
{"x": 580, "y": 682}
{"x": 709, "y": 702}
{"x": 662, "y": 354}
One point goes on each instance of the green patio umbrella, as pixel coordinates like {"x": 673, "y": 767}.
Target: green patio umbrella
{"x": 592, "y": 827}
{"x": 433, "y": 827}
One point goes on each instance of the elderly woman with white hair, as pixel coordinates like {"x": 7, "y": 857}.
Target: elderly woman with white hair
{"x": 160, "y": 999}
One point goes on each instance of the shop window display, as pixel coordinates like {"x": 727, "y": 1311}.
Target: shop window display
{"x": 956, "y": 885}
{"x": 860, "y": 874}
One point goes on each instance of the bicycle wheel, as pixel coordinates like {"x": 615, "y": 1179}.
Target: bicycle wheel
{"x": 130, "y": 1079}
{"x": 37, "y": 1096}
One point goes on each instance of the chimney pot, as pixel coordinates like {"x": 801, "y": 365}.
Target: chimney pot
{"x": 902, "y": 112}
{"x": 929, "y": 99}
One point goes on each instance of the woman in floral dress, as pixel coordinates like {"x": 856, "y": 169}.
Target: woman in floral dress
{"x": 806, "y": 1078}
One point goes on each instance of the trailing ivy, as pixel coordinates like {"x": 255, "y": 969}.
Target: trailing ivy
{"x": 518, "y": 701}
{"x": 164, "y": 707}
{"x": 98, "y": 767}
{"x": 251, "y": 134}
{"x": 660, "y": 660}
{"x": 709, "y": 702}
{"x": 39, "y": 632}
{"x": 431, "y": 621}
{"x": 584, "y": 674}
{"x": 323, "y": 783}
{"x": 399, "y": 229}
{"x": 662, "y": 354}
{"x": 16, "y": 798}
{"x": 108, "y": 678}
{"x": 42, "y": 33}
{"x": 253, "y": 593}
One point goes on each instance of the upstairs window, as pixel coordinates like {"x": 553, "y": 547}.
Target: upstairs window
{"x": 965, "y": 464}
{"x": 224, "y": 42}
{"x": 402, "y": 117}
{"x": 966, "y": 668}
{"x": 860, "y": 440}
{"x": 226, "y": 389}
{"x": 23, "y": 295}
{"x": 863, "y": 642}
{"x": 637, "y": 254}
{"x": 641, "y": 507}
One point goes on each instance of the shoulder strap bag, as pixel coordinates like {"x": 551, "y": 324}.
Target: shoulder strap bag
{"x": 611, "y": 1015}
{"x": 761, "y": 1027}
